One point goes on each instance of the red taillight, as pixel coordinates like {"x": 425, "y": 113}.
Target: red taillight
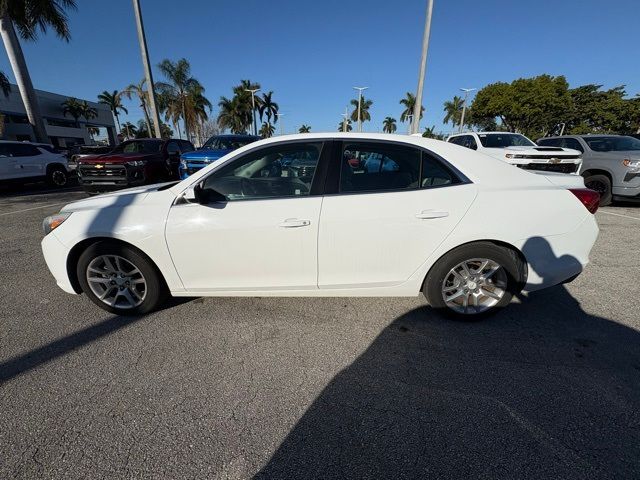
{"x": 589, "y": 198}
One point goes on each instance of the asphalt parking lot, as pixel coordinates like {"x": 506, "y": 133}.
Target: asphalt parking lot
{"x": 318, "y": 388}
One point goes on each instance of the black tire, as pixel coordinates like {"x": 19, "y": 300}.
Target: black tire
{"x": 57, "y": 176}
{"x": 156, "y": 289}
{"x": 514, "y": 269}
{"x": 601, "y": 184}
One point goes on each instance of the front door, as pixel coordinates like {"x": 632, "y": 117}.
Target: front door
{"x": 263, "y": 235}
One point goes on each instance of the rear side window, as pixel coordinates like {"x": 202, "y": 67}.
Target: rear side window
{"x": 372, "y": 167}
{"x": 22, "y": 150}
{"x": 435, "y": 173}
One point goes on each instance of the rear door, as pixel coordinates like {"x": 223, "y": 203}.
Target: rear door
{"x": 379, "y": 226}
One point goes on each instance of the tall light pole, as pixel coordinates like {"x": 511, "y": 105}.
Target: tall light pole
{"x": 278, "y": 115}
{"x": 344, "y": 122}
{"x": 147, "y": 69}
{"x": 410, "y": 117}
{"x": 253, "y": 108}
{"x": 417, "y": 108}
{"x": 464, "y": 106}
{"x": 360, "y": 89}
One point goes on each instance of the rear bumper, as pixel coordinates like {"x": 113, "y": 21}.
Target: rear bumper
{"x": 555, "y": 259}
{"x": 55, "y": 256}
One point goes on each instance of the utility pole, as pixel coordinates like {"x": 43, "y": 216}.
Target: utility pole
{"x": 278, "y": 115}
{"x": 253, "y": 108}
{"x": 360, "y": 89}
{"x": 464, "y": 106}
{"x": 417, "y": 108}
{"x": 344, "y": 122}
{"x": 142, "y": 39}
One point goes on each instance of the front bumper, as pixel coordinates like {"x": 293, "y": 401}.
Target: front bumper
{"x": 110, "y": 177}
{"x": 55, "y": 256}
{"x": 567, "y": 166}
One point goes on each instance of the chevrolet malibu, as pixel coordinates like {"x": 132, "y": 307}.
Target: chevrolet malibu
{"x": 466, "y": 230}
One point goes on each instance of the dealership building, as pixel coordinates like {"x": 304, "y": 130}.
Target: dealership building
{"x": 63, "y": 131}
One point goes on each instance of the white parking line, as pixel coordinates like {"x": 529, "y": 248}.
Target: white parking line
{"x": 33, "y": 208}
{"x": 619, "y": 215}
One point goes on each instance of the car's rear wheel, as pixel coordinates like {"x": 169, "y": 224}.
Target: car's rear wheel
{"x": 57, "y": 176}
{"x": 119, "y": 279}
{"x": 601, "y": 184}
{"x": 474, "y": 280}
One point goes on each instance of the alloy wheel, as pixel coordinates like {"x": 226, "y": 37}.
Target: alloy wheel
{"x": 474, "y": 286}
{"x": 116, "y": 281}
{"x": 59, "y": 178}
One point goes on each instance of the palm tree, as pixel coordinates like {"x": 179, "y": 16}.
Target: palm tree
{"x": 87, "y": 111}
{"x": 72, "y": 106}
{"x": 409, "y": 103}
{"x": 31, "y": 17}
{"x": 139, "y": 90}
{"x": 430, "y": 132}
{"x": 93, "y": 131}
{"x": 114, "y": 102}
{"x": 341, "y": 126}
{"x": 364, "y": 110}
{"x": 183, "y": 93}
{"x": 129, "y": 130}
{"x": 453, "y": 110}
{"x": 267, "y": 130}
{"x": 268, "y": 107}
{"x": 389, "y": 125}
{"x": 304, "y": 129}
{"x": 236, "y": 112}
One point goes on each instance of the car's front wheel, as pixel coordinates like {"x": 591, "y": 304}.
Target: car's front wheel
{"x": 474, "y": 280}
{"x": 120, "y": 279}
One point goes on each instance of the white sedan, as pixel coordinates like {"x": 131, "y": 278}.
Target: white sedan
{"x": 301, "y": 216}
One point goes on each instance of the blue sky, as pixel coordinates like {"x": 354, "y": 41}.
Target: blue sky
{"x": 312, "y": 53}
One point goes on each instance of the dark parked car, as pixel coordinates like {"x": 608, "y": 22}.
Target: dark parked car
{"x": 132, "y": 163}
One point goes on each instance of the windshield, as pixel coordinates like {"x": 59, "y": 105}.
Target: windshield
{"x": 140, "y": 146}
{"x": 501, "y": 140}
{"x": 612, "y": 144}
{"x": 220, "y": 143}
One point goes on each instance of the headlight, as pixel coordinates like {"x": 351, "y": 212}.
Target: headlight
{"x": 632, "y": 165}
{"x": 136, "y": 163}
{"x": 54, "y": 221}
{"x": 511, "y": 155}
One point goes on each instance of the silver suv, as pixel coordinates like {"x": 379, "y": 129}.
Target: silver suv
{"x": 610, "y": 163}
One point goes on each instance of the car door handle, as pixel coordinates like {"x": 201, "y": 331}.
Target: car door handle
{"x": 427, "y": 214}
{"x": 294, "y": 222}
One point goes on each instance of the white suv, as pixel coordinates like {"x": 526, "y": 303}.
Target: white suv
{"x": 24, "y": 162}
{"x": 518, "y": 150}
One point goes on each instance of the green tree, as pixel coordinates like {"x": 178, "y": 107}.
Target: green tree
{"x": 236, "y": 112}
{"x": 409, "y": 103}
{"x": 129, "y": 130}
{"x": 114, "y": 102}
{"x": 430, "y": 132}
{"x": 139, "y": 90}
{"x": 267, "y": 107}
{"x": 453, "y": 110}
{"x": 267, "y": 130}
{"x": 601, "y": 111}
{"x": 389, "y": 125}
{"x": 73, "y": 107}
{"x": 304, "y": 129}
{"x": 365, "y": 105}
{"x": 31, "y": 17}
{"x": 143, "y": 132}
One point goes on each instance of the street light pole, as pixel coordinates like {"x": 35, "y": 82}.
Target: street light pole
{"x": 410, "y": 117}
{"x": 417, "y": 108}
{"x": 464, "y": 106}
{"x": 253, "y": 108}
{"x": 142, "y": 40}
{"x": 344, "y": 122}
{"x": 360, "y": 89}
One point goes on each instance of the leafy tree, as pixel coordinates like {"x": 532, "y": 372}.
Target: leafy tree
{"x": 267, "y": 107}
{"x": 129, "y": 130}
{"x": 143, "y": 132}
{"x": 139, "y": 90}
{"x": 389, "y": 125}
{"x": 87, "y": 111}
{"x": 267, "y": 130}
{"x": 430, "y": 132}
{"x": 341, "y": 125}
{"x": 409, "y": 103}
{"x": 453, "y": 110}
{"x": 31, "y": 17}
{"x": 114, "y": 102}
{"x": 304, "y": 129}
{"x": 236, "y": 112}
{"x": 73, "y": 107}
{"x": 365, "y": 105}
{"x": 601, "y": 111}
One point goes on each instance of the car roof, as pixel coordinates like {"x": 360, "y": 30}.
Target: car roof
{"x": 588, "y": 135}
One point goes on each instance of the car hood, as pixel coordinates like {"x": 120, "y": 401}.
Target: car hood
{"x": 537, "y": 151}
{"x": 120, "y": 198}
{"x": 205, "y": 154}
{"x": 116, "y": 158}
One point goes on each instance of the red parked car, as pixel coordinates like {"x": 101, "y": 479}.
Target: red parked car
{"x": 132, "y": 163}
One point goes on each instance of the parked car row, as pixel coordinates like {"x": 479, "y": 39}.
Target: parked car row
{"x": 610, "y": 164}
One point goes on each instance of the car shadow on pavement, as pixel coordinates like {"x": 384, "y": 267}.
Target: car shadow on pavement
{"x": 542, "y": 389}
{"x": 34, "y": 358}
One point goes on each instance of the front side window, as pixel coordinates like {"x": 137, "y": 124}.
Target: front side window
{"x": 227, "y": 143}
{"x": 370, "y": 167}
{"x": 273, "y": 172}
{"x": 502, "y": 140}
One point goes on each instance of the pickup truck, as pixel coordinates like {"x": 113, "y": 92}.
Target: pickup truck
{"x": 132, "y": 163}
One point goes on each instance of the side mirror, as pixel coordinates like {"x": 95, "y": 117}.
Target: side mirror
{"x": 203, "y": 196}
